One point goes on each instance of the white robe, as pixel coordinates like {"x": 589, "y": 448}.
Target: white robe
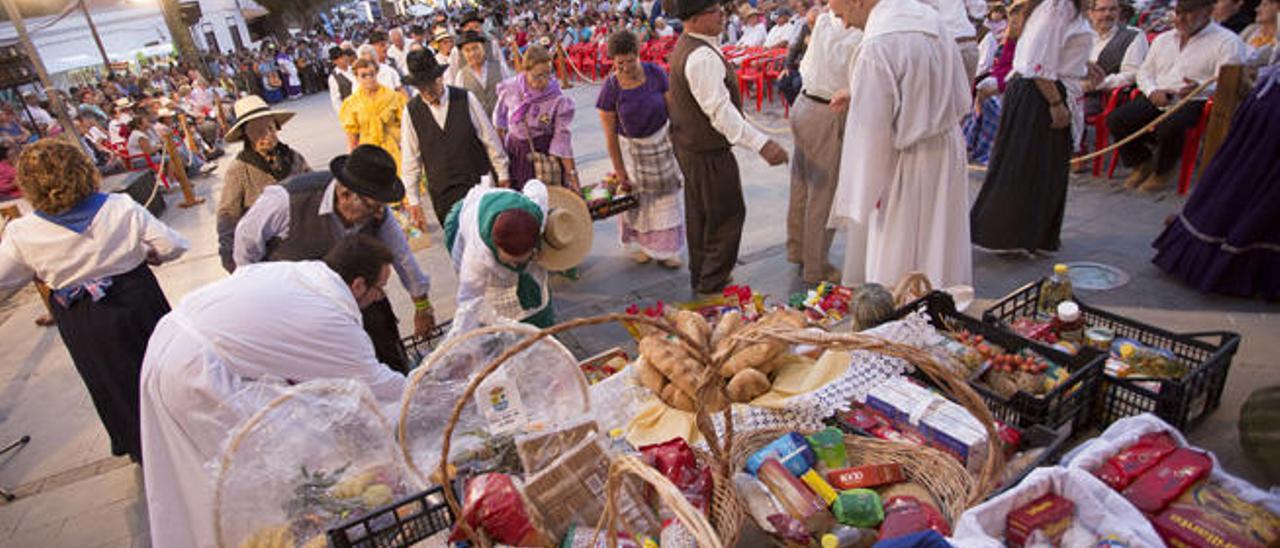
{"x": 220, "y": 354}
{"x": 902, "y": 170}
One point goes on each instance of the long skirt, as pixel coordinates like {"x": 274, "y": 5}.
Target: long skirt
{"x": 272, "y": 95}
{"x": 980, "y": 130}
{"x": 519, "y": 165}
{"x": 1023, "y": 199}
{"x": 107, "y": 340}
{"x": 656, "y": 227}
{"x": 1227, "y": 238}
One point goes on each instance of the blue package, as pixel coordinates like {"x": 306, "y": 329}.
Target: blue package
{"x": 923, "y": 539}
{"x": 791, "y": 450}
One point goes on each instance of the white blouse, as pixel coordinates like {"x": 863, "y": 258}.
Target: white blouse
{"x": 116, "y": 241}
{"x": 1055, "y": 43}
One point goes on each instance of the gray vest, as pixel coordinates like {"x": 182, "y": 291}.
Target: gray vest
{"x": 311, "y": 235}
{"x": 486, "y": 92}
{"x": 1112, "y": 55}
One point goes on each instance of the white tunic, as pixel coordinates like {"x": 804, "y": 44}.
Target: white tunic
{"x": 902, "y": 170}
{"x": 295, "y": 321}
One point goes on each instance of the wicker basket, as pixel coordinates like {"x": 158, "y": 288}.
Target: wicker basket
{"x": 726, "y": 512}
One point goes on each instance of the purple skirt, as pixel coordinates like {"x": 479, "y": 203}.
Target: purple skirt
{"x": 519, "y": 166}
{"x": 1227, "y": 238}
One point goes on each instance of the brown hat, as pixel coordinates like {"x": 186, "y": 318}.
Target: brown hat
{"x": 568, "y": 234}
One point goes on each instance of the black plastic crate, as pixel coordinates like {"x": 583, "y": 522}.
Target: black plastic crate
{"x": 613, "y": 206}
{"x": 1069, "y": 402}
{"x": 398, "y": 524}
{"x": 416, "y": 348}
{"x": 1181, "y": 402}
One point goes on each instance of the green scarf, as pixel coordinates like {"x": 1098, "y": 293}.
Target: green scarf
{"x": 491, "y": 205}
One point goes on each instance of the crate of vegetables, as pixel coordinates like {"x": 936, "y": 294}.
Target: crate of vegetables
{"x": 1023, "y": 382}
{"x": 1177, "y": 376}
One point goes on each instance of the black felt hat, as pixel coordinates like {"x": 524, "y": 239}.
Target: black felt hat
{"x": 423, "y": 67}
{"x": 471, "y": 37}
{"x": 684, "y": 9}
{"x": 369, "y": 171}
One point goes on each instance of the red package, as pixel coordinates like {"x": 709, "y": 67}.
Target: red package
{"x": 906, "y": 515}
{"x": 1051, "y": 514}
{"x": 1154, "y": 490}
{"x": 1120, "y": 470}
{"x": 868, "y": 475}
{"x": 493, "y": 503}
{"x": 677, "y": 462}
{"x": 1183, "y": 525}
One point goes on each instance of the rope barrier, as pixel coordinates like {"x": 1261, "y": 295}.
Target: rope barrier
{"x": 569, "y": 61}
{"x": 782, "y": 130}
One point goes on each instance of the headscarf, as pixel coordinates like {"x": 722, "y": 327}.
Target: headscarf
{"x": 279, "y": 167}
{"x": 530, "y": 96}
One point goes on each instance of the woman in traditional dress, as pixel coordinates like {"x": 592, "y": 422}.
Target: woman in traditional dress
{"x": 634, "y": 114}
{"x": 980, "y": 128}
{"x": 504, "y": 241}
{"x": 1227, "y": 238}
{"x": 292, "y": 83}
{"x": 371, "y": 114}
{"x": 1021, "y": 205}
{"x": 94, "y": 250}
{"x": 533, "y": 115}
{"x": 272, "y": 84}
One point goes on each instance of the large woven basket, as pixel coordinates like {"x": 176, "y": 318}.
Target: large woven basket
{"x": 725, "y": 517}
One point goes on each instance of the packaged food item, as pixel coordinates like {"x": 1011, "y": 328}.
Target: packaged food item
{"x": 570, "y": 490}
{"x": 1124, "y": 467}
{"x": 1035, "y": 329}
{"x": 791, "y": 450}
{"x": 1099, "y": 338}
{"x": 790, "y": 528}
{"x": 1140, "y": 361}
{"x": 828, "y": 445}
{"x": 858, "y": 508}
{"x": 795, "y": 498}
{"x": 675, "y": 460}
{"x": 1218, "y": 503}
{"x": 848, "y": 537}
{"x": 1050, "y": 514}
{"x": 1182, "y": 525}
{"x": 580, "y": 536}
{"x": 760, "y": 504}
{"x": 942, "y": 423}
{"x": 1069, "y": 322}
{"x": 1156, "y": 488}
{"x": 538, "y": 449}
{"x": 905, "y": 515}
{"x": 867, "y": 475}
{"x": 495, "y": 504}
{"x": 1054, "y": 289}
{"x": 819, "y": 486}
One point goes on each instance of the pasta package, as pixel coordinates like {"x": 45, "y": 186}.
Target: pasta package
{"x": 1120, "y": 470}
{"x": 1187, "y": 526}
{"x": 1050, "y": 514}
{"x": 1155, "y": 489}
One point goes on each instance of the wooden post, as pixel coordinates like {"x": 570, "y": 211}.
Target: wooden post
{"x": 178, "y": 171}
{"x": 1230, "y": 92}
{"x": 187, "y": 134}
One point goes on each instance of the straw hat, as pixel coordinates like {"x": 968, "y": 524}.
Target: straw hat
{"x": 252, "y": 107}
{"x": 566, "y": 239}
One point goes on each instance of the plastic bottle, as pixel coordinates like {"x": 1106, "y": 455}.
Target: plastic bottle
{"x": 1068, "y": 322}
{"x": 1054, "y": 290}
{"x": 760, "y": 504}
{"x": 842, "y": 536}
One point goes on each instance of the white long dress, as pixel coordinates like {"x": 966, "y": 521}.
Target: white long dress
{"x": 902, "y": 170}
{"x": 225, "y": 348}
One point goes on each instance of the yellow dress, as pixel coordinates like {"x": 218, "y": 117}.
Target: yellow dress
{"x": 375, "y": 118}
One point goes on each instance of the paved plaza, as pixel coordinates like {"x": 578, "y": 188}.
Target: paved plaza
{"x": 72, "y": 493}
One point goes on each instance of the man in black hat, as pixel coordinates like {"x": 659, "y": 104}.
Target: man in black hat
{"x": 341, "y": 82}
{"x": 446, "y": 133}
{"x": 477, "y": 73}
{"x": 706, "y": 122}
{"x": 302, "y": 217}
{"x": 473, "y": 21}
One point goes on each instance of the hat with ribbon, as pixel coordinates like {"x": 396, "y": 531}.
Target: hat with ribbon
{"x": 370, "y": 172}
{"x": 252, "y": 107}
{"x": 567, "y": 236}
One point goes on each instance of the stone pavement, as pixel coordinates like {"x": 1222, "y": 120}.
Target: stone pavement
{"x": 72, "y": 493}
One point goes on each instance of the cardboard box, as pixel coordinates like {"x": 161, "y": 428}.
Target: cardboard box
{"x": 571, "y": 490}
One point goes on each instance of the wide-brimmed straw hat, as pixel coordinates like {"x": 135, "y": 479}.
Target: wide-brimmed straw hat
{"x": 567, "y": 237}
{"x": 252, "y": 107}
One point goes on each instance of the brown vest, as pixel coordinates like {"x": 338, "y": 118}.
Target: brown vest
{"x": 691, "y": 129}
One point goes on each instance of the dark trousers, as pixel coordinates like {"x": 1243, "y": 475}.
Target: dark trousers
{"x": 714, "y": 211}
{"x": 1167, "y": 137}
{"x": 380, "y": 323}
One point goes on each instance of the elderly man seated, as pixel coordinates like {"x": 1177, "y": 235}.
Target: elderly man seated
{"x": 785, "y": 30}
{"x": 1118, "y": 52}
{"x": 1178, "y": 62}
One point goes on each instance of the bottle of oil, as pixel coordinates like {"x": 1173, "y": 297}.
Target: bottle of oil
{"x": 1053, "y": 291}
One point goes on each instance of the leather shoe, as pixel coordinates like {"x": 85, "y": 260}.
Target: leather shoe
{"x": 1138, "y": 176}
{"x": 1156, "y": 182}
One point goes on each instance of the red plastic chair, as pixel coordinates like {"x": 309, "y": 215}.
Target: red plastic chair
{"x": 1099, "y": 123}
{"x": 122, "y": 150}
{"x": 1191, "y": 148}
{"x": 750, "y": 72}
{"x": 1115, "y": 155}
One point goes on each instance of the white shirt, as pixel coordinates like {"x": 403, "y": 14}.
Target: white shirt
{"x": 1133, "y": 57}
{"x": 782, "y": 35}
{"x": 1169, "y": 65}
{"x": 826, "y": 64}
{"x": 217, "y": 357}
{"x": 956, "y": 13}
{"x": 1055, "y": 43}
{"x": 401, "y": 57}
{"x": 479, "y": 272}
{"x": 388, "y": 77}
{"x": 335, "y": 95}
{"x": 268, "y": 218}
{"x": 116, "y": 241}
{"x": 753, "y": 36}
{"x": 987, "y": 52}
{"x": 705, "y": 71}
{"x": 40, "y": 117}
{"x": 664, "y": 31}
{"x": 410, "y": 154}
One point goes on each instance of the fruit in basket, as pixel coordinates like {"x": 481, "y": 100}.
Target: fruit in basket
{"x": 271, "y": 536}
{"x": 353, "y": 485}
{"x": 317, "y": 541}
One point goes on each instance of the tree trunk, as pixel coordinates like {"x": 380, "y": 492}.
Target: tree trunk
{"x": 182, "y": 41}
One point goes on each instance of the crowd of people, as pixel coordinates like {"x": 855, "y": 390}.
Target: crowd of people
{"x": 466, "y": 113}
